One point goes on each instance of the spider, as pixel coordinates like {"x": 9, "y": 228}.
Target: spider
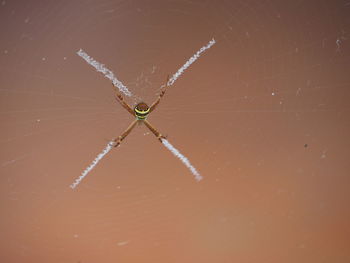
{"x": 140, "y": 111}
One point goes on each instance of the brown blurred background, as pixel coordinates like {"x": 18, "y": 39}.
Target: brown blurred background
{"x": 263, "y": 115}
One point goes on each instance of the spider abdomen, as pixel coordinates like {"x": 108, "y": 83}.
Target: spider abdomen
{"x": 141, "y": 111}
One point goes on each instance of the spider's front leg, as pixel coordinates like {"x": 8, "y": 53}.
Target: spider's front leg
{"x": 154, "y": 131}
{"x": 120, "y": 138}
{"x": 162, "y": 92}
{"x": 125, "y": 105}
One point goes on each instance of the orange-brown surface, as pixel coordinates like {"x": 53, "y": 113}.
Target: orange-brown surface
{"x": 263, "y": 115}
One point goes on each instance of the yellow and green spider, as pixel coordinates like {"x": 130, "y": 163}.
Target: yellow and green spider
{"x": 140, "y": 112}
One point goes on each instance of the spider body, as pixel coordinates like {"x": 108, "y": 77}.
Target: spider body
{"x": 141, "y": 111}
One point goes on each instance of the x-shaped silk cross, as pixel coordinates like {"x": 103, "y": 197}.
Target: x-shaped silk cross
{"x": 122, "y": 88}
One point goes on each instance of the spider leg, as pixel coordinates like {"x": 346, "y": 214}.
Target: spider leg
{"x": 162, "y": 92}
{"x": 121, "y": 100}
{"x": 120, "y": 138}
{"x": 154, "y": 131}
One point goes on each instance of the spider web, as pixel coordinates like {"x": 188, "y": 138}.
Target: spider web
{"x": 263, "y": 115}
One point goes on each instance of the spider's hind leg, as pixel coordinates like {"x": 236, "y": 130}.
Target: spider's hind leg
{"x": 154, "y": 131}
{"x": 120, "y": 138}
